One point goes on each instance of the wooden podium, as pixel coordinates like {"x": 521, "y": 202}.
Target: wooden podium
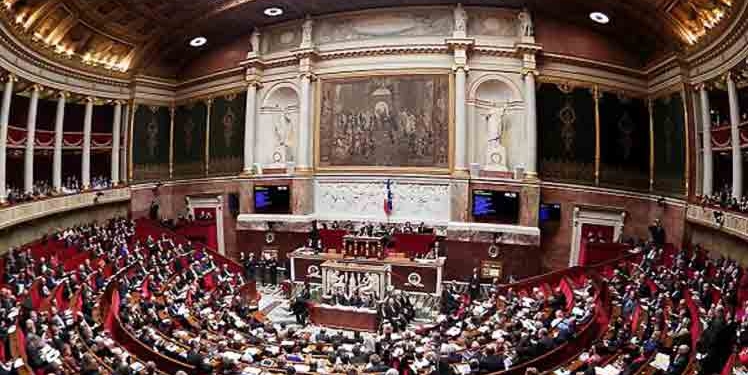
{"x": 363, "y": 247}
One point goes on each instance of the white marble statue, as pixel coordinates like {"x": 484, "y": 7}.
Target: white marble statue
{"x": 306, "y": 32}
{"x": 254, "y": 41}
{"x": 525, "y": 23}
{"x": 460, "y": 18}
{"x": 495, "y": 121}
{"x": 282, "y": 129}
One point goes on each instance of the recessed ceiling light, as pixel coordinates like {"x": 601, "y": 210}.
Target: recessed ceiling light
{"x": 599, "y": 17}
{"x": 198, "y": 41}
{"x": 273, "y": 11}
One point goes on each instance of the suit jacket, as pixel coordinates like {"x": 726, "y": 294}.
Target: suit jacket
{"x": 677, "y": 365}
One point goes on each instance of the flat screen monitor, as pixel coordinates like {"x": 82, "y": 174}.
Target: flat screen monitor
{"x": 272, "y": 199}
{"x": 494, "y": 206}
{"x": 550, "y": 212}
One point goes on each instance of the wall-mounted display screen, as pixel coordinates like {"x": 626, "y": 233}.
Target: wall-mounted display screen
{"x": 272, "y": 199}
{"x": 550, "y": 212}
{"x": 496, "y": 206}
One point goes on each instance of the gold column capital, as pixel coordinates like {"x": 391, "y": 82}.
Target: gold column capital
{"x": 10, "y": 77}
{"x": 37, "y": 87}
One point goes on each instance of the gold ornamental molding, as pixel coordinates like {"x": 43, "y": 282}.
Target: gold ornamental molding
{"x": 383, "y": 51}
{"x": 76, "y": 70}
{"x": 577, "y": 83}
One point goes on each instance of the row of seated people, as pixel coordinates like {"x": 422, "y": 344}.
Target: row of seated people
{"x": 485, "y": 329}
{"x": 43, "y": 189}
{"x": 22, "y": 268}
{"x": 673, "y": 317}
{"x": 237, "y": 339}
{"x": 445, "y": 342}
{"x": 723, "y": 199}
{"x": 369, "y": 229}
{"x": 74, "y": 341}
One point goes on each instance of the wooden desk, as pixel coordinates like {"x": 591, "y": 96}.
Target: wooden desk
{"x": 343, "y": 318}
{"x": 407, "y": 275}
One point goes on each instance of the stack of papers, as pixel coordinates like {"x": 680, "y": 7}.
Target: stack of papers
{"x": 661, "y": 362}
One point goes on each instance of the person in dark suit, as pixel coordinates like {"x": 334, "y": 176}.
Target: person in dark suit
{"x": 261, "y": 266}
{"x": 196, "y": 359}
{"x": 545, "y": 342}
{"x": 272, "y": 269}
{"x": 491, "y": 362}
{"x": 250, "y": 266}
{"x": 474, "y": 285}
{"x": 679, "y": 362}
{"x": 448, "y": 301}
{"x": 657, "y": 233}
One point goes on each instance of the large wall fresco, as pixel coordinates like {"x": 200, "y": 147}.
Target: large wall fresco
{"x": 385, "y": 121}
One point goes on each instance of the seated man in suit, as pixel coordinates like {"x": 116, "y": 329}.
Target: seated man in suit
{"x": 679, "y": 362}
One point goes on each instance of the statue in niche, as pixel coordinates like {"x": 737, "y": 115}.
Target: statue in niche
{"x": 282, "y": 129}
{"x": 525, "y": 23}
{"x": 495, "y": 120}
{"x": 460, "y": 20}
{"x": 254, "y": 41}
{"x": 306, "y": 32}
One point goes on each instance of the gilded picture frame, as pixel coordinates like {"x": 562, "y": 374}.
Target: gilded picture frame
{"x": 384, "y": 169}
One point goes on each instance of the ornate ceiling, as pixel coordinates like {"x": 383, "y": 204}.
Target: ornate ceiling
{"x": 133, "y": 35}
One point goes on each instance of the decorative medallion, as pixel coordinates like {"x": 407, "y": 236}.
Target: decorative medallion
{"x": 494, "y": 251}
{"x": 313, "y": 271}
{"x": 269, "y": 237}
{"x": 414, "y": 279}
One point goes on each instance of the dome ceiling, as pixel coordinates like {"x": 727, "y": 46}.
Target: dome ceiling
{"x": 133, "y": 35}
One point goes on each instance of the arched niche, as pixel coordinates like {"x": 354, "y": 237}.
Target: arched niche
{"x": 277, "y": 126}
{"x": 497, "y": 124}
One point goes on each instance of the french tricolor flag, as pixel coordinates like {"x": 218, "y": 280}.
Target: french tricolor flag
{"x": 388, "y": 199}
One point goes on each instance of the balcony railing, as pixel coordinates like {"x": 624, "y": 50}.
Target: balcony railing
{"x": 730, "y": 222}
{"x": 20, "y": 213}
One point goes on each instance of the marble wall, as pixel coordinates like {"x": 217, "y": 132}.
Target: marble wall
{"x": 414, "y": 200}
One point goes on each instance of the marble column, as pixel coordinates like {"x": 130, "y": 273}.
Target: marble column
{"x": 123, "y": 151}
{"x": 737, "y": 155}
{"x": 250, "y": 120}
{"x": 460, "y": 155}
{"x": 303, "y": 162}
{"x": 531, "y": 124}
{"x": 86, "y": 158}
{"x": 57, "y": 155}
{"x": 28, "y": 160}
{"x": 116, "y": 123}
{"x": 706, "y": 125}
{"x": 4, "y": 117}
